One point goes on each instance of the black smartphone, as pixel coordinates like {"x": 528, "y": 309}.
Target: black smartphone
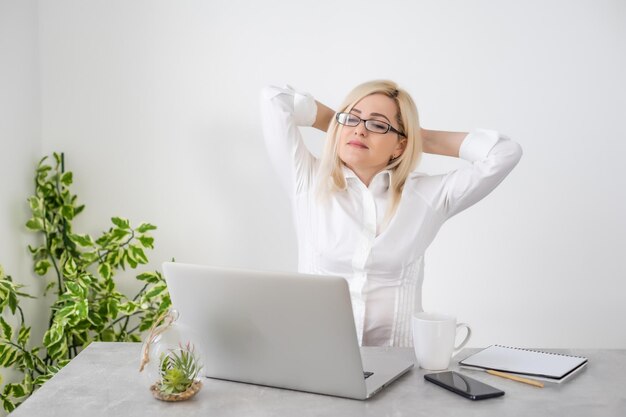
{"x": 463, "y": 385}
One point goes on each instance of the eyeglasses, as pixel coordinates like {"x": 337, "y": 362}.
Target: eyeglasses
{"x": 374, "y": 126}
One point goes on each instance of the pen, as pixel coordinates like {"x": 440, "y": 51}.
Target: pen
{"x": 516, "y": 378}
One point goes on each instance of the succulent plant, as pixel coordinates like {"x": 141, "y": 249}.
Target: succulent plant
{"x": 179, "y": 369}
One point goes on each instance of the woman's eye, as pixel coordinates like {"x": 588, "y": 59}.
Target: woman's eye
{"x": 379, "y": 125}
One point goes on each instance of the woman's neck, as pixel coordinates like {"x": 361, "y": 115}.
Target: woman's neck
{"x": 366, "y": 175}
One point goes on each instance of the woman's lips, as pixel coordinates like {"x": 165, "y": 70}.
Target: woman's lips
{"x": 357, "y": 144}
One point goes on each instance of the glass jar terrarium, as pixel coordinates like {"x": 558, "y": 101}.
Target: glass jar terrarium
{"x": 170, "y": 360}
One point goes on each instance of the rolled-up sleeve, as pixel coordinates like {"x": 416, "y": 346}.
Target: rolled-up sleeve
{"x": 492, "y": 156}
{"x": 283, "y": 110}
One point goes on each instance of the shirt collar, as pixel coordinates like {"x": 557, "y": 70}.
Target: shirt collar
{"x": 348, "y": 173}
{"x": 383, "y": 177}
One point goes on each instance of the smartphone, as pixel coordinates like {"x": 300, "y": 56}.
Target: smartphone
{"x": 464, "y": 385}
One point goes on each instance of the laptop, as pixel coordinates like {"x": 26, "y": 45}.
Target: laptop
{"x": 285, "y": 330}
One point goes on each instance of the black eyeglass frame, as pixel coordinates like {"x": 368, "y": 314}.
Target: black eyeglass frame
{"x": 389, "y": 127}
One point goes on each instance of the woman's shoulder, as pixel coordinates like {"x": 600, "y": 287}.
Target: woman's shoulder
{"x": 416, "y": 176}
{"x": 422, "y": 182}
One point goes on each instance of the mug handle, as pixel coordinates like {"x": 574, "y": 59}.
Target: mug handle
{"x": 467, "y": 336}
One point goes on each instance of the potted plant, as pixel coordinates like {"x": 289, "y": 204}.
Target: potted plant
{"x": 179, "y": 369}
{"x": 81, "y": 271}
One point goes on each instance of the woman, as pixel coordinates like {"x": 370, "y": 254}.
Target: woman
{"x": 361, "y": 211}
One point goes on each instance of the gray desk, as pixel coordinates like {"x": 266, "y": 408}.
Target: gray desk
{"x": 103, "y": 381}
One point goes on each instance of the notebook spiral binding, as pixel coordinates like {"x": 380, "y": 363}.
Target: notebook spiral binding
{"x": 541, "y": 351}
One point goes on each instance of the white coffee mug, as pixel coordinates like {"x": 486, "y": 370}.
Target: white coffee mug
{"x": 433, "y": 339}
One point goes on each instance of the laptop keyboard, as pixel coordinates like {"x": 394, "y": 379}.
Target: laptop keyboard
{"x": 367, "y": 374}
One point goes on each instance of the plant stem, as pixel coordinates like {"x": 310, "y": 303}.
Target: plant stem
{"x": 31, "y": 372}
{"x": 21, "y": 315}
{"x": 104, "y": 255}
{"x": 49, "y": 250}
{"x": 120, "y": 319}
{"x": 25, "y": 351}
{"x": 54, "y": 263}
{"x": 67, "y": 243}
{"x": 125, "y": 324}
{"x": 141, "y": 291}
{"x": 74, "y": 350}
{"x": 134, "y": 329}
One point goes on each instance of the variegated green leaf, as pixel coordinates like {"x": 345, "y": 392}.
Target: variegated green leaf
{"x": 7, "y": 331}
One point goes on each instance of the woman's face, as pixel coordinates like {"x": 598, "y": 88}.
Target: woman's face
{"x": 367, "y": 152}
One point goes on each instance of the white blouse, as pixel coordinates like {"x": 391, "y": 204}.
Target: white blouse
{"x": 343, "y": 237}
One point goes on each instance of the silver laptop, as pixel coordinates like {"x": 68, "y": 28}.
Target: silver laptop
{"x": 285, "y": 330}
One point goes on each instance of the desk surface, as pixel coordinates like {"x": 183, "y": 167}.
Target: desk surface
{"x": 103, "y": 381}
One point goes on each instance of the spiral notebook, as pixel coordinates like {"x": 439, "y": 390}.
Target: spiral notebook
{"x": 553, "y": 367}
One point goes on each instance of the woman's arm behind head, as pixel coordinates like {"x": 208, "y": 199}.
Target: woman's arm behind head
{"x": 324, "y": 116}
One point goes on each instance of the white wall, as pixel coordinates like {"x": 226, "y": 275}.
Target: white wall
{"x": 156, "y": 105}
{"x": 20, "y": 147}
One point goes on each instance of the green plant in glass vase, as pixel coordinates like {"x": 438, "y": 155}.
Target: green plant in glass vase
{"x": 179, "y": 369}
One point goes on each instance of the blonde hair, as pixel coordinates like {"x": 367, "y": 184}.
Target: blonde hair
{"x": 331, "y": 178}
